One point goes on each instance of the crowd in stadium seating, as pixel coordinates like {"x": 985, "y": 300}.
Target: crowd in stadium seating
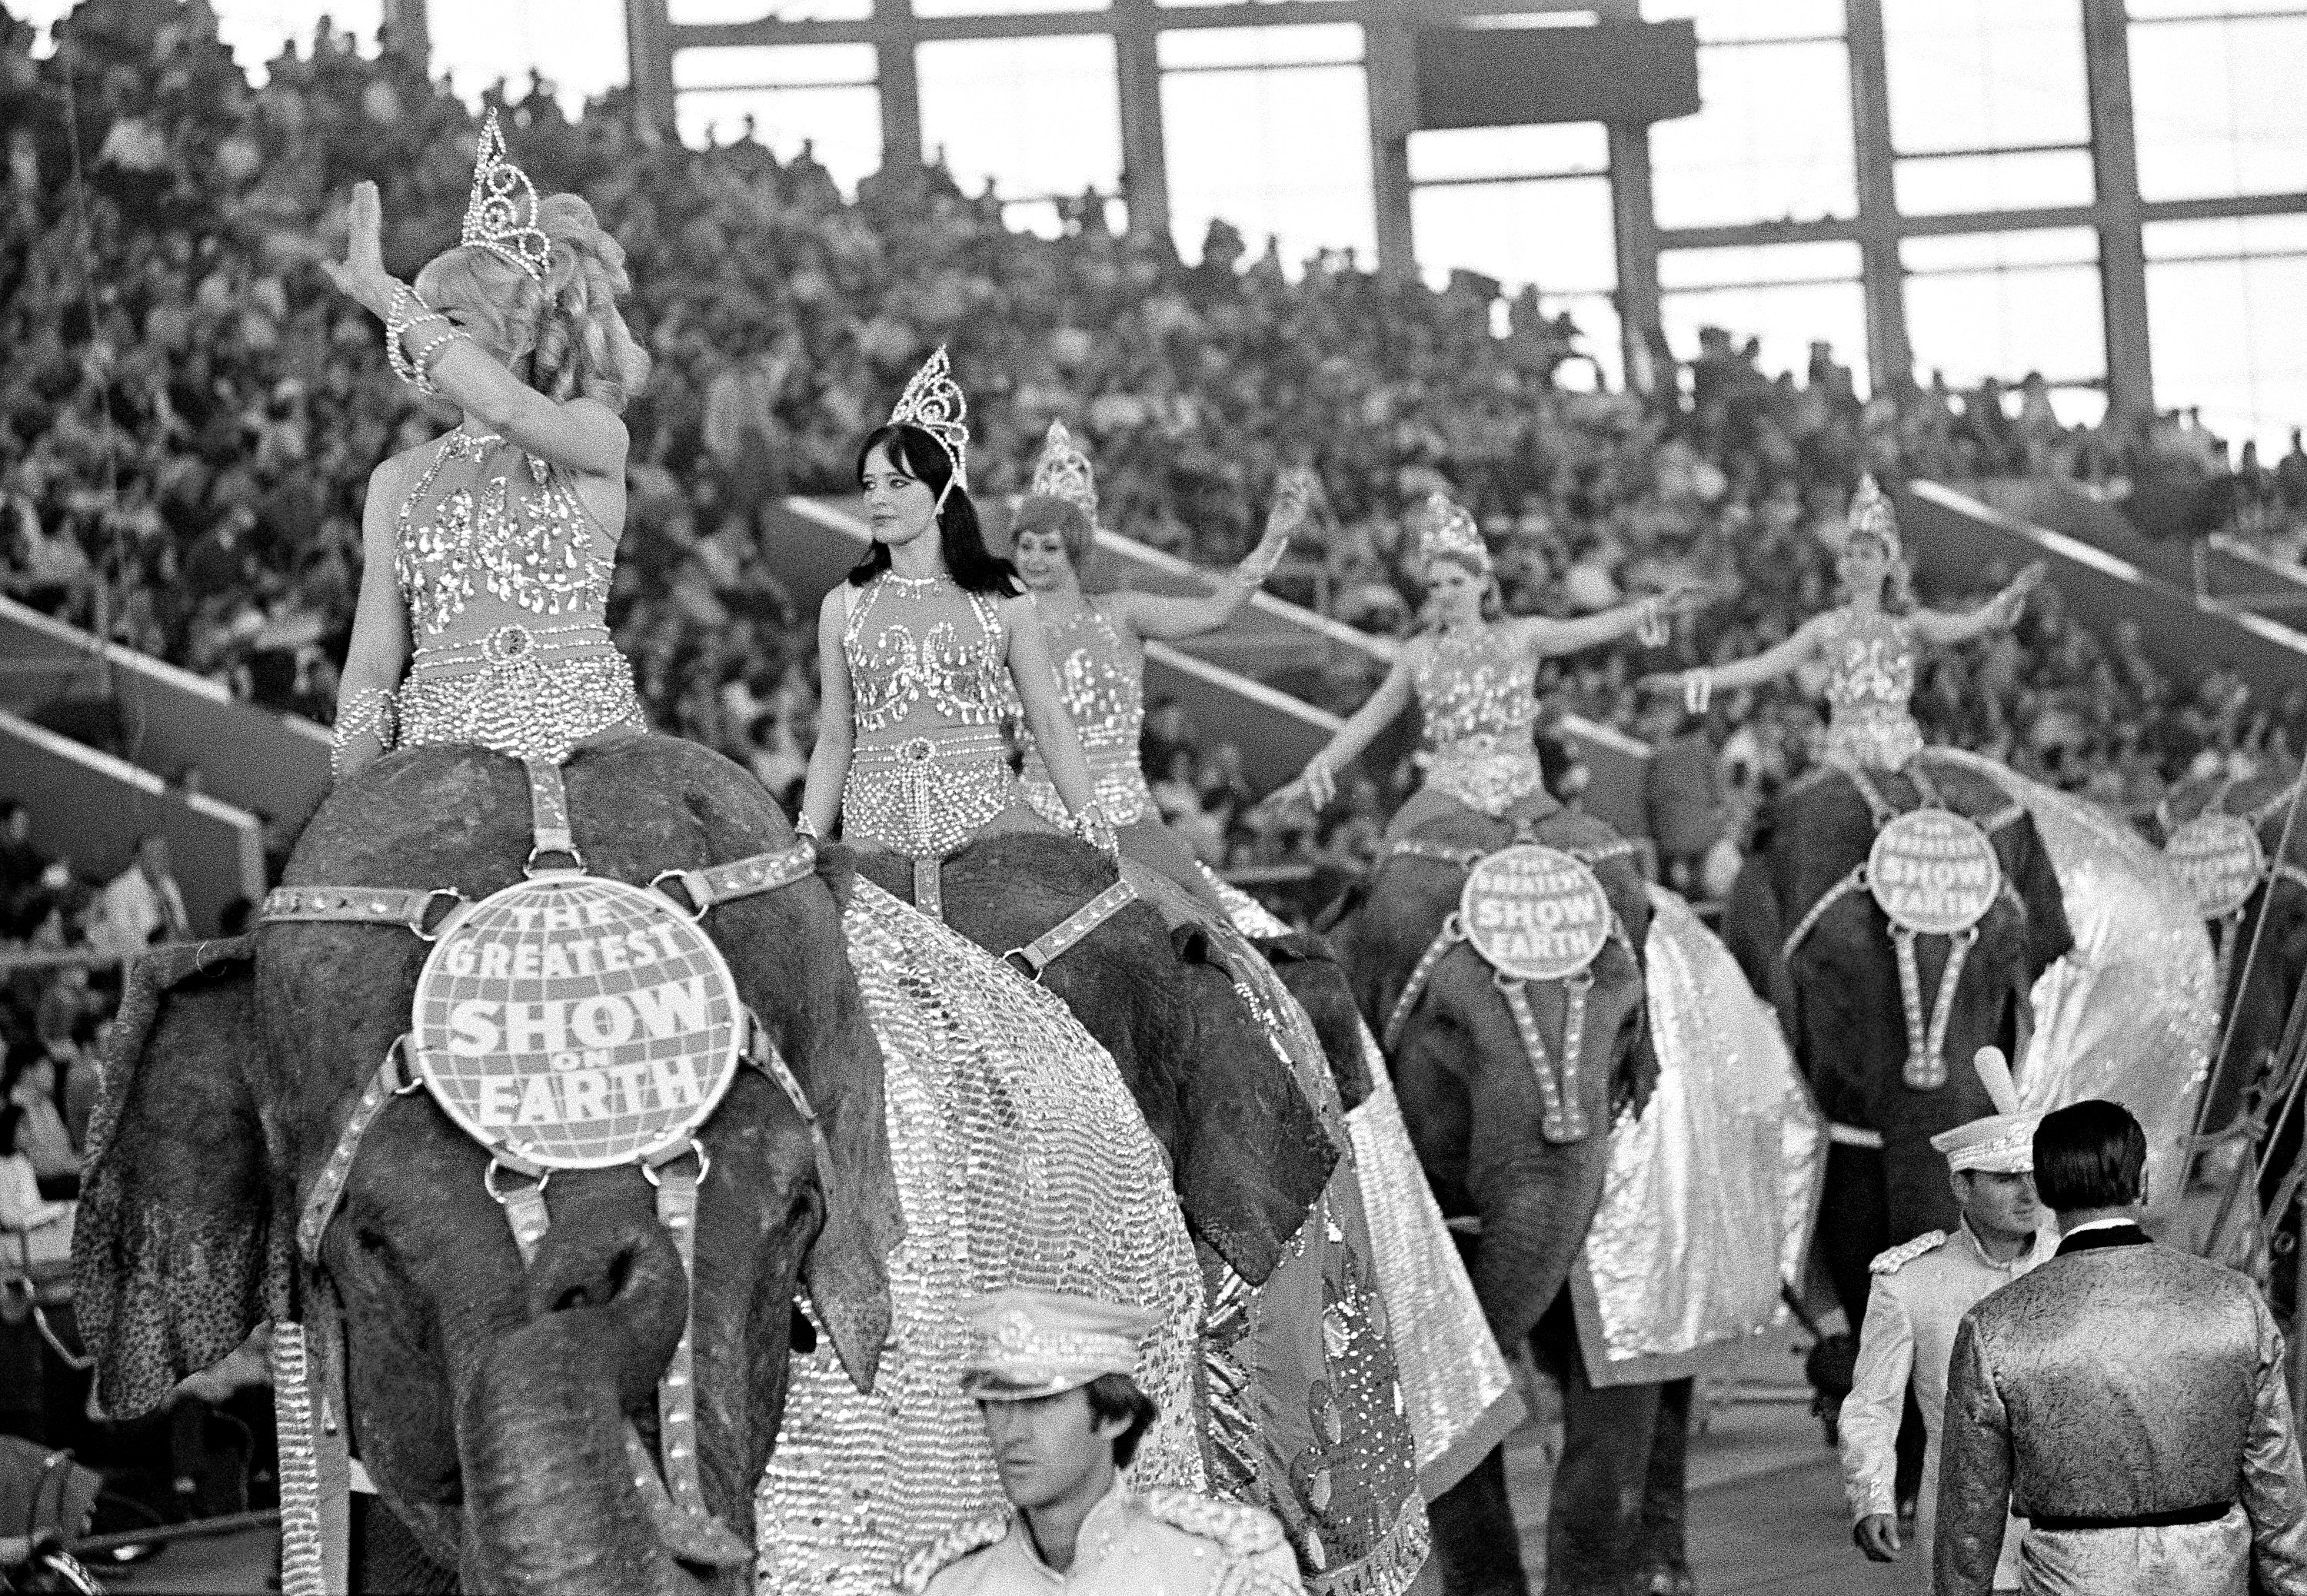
{"x": 188, "y": 416}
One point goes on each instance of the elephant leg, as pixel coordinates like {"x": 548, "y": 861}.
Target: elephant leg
{"x": 1665, "y": 1552}
{"x": 1854, "y": 1224}
{"x": 1477, "y": 1549}
{"x": 1595, "y": 1510}
{"x": 385, "y": 1557}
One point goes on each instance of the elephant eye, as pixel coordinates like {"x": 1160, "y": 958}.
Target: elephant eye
{"x": 369, "y": 1241}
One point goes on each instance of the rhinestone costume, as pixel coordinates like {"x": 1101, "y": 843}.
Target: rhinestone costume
{"x": 1869, "y": 694}
{"x": 1021, "y": 1159}
{"x": 506, "y": 590}
{"x": 1102, "y": 679}
{"x": 1478, "y": 694}
{"x": 931, "y": 763}
{"x": 1455, "y": 1384}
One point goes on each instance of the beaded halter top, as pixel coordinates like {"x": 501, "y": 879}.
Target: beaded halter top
{"x": 1479, "y": 695}
{"x": 1870, "y": 691}
{"x": 508, "y": 540}
{"x": 1102, "y": 679}
{"x": 928, "y": 681}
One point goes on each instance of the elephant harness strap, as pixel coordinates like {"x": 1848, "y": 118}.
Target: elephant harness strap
{"x": 314, "y": 1470}
{"x": 1563, "y": 1113}
{"x": 1036, "y": 956}
{"x": 1908, "y": 845}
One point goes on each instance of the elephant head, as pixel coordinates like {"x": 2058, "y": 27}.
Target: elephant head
{"x": 1250, "y": 1154}
{"x": 492, "y": 1402}
{"x": 1840, "y": 997}
{"x": 1468, "y": 1090}
{"x": 2266, "y": 952}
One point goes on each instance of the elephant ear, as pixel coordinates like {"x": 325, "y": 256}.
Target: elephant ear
{"x": 176, "y": 1253}
{"x": 1310, "y": 969}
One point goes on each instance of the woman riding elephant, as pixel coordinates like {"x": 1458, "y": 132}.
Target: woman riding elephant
{"x": 1496, "y": 1147}
{"x": 1874, "y": 1007}
{"x": 1457, "y": 1388}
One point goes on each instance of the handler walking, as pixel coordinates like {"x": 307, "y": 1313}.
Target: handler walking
{"x": 2126, "y": 1398}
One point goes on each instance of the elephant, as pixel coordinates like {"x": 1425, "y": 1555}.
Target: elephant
{"x": 1468, "y": 1095}
{"x": 1255, "y": 1150}
{"x": 492, "y": 1402}
{"x": 2265, "y": 953}
{"x": 1838, "y": 996}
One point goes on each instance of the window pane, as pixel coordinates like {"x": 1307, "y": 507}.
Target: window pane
{"x": 1555, "y": 234}
{"x": 1772, "y": 143}
{"x": 954, "y": 8}
{"x": 1599, "y": 341}
{"x": 1784, "y": 320}
{"x": 1769, "y": 264}
{"x": 1059, "y": 130}
{"x": 1970, "y": 74}
{"x": 1285, "y": 153}
{"x": 2002, "y": 304}
{"x": 1508, "y": 152}
{"x": 1944, "y": 184}
{"x": 778, "y": 66}
{"x": 2227, "y": 334}
{"x": 1752, "y": 19}
{"x": 579, "y": 45}
{"x": 1260, "y": 46}
{"x": 2199, "y": 8}
{"x": 749, "y": 11}
{"x": 2219, "y": 109}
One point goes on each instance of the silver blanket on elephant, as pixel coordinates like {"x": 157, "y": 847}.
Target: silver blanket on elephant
{"x": 2131, "y": 1013}
{"x": 1021, "y": 1158}
{"x": 1461, "y": 1397}
{"x": 1712, "y": 1191}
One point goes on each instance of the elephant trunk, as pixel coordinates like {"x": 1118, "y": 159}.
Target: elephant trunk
{"x": 552, "y": 1507}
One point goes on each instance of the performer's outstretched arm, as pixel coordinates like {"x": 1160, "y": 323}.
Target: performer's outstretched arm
{"x": 1998, "y": 614}
{"x": 1154, "y": 615}
{"x": 1319, "y": 783}
{"x": 584, "y": 435}
{"x": 836, "y": 722}
{"x": 1547, "y": 637}
{"x": 1769, "y": 664}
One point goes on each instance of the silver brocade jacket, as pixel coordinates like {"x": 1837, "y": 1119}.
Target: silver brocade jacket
{"x": 2115, "y": 1382}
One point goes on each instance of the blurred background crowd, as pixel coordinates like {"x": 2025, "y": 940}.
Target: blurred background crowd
{"x": 188, "y": 415}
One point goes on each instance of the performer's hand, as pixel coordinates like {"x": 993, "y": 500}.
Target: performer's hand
{"x": 1293, "y": 501}
{"x": 2023, "y": 584}
{"x": 361, "y": 276}
{"x": 1320, "y": 783}
{"x": 1687, "y": 598}
{"x": 1877, "y": 1535}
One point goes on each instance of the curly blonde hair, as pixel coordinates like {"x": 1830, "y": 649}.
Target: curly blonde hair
{"x": 565, "y": 338}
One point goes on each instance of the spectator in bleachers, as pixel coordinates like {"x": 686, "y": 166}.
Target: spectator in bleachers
{"x": 142, "y": 905}
{"x": 42, "y": 1138}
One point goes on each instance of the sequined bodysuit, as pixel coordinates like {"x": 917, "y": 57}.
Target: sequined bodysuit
{"x": 929, "y": 682}
{"x": 1102, "y": 679}
{"x": 1870, "y": 691}
{"x": 498, "y": 562}
{"x": 1479, "y": 695}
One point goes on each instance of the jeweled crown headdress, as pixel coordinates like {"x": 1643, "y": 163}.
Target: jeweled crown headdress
{"x": 500, "y": 216}
{"x": 1444, "y": 529}
{"x": 1064, "y": 472}
{"x": 933, "y": 401}
{"x": 1872, "y": 515}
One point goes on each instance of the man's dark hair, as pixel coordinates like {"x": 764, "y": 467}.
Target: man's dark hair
{"x": 1117, "y": 1396}
{"x": 2089, "y": 1154}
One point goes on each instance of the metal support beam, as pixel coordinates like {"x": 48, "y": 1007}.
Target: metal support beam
{"x": 1390, "y": 70}
{"x": 408, "y": 30}
{"x": 2122, "y": 248}
{"x": 1144, "y": 156}
{"x": 1890, "y": 355}
{"x": 648, "y": 58}
{"x": 1634, "y": 238}
{"x": 899, "y": 79}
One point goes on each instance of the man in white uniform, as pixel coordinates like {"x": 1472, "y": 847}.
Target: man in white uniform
{"x": 1052, "y": 1375}
{"x": 1921, "y": 1292}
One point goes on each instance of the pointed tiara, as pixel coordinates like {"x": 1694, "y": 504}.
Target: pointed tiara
{"x": 1063, "y": 472}
{"x": 1445, "y": 530}
{"x": 933, "y": 401}
{"x": 500, "y": 216}
{"x": 1872, "y": 515}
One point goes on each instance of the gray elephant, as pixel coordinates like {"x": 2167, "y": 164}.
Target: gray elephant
{"x": 490, "y": 1403}
{"x": 1476, "y": 1115}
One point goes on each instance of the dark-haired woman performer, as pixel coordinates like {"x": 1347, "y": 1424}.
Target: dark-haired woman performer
{"x": 919, "y": 651}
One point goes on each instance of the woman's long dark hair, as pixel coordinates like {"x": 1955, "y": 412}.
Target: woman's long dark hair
{"x": 975, "y": 568}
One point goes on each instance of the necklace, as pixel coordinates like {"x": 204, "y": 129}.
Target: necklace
{"x": 915, "y": 584}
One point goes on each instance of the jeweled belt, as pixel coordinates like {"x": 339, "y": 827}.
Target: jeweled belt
{"x": 946, "y": 744}
{"x": 511, "y": 644}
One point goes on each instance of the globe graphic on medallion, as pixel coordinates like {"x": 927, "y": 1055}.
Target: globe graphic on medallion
{"x": 576, "y": 1022}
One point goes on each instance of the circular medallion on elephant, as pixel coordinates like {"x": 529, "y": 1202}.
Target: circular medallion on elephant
{"x": 1933, "y": 872}
{"x": 1536, "y": 913}
{"x": 2220, "y": 859}
{"x": 577, "y": 1022}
